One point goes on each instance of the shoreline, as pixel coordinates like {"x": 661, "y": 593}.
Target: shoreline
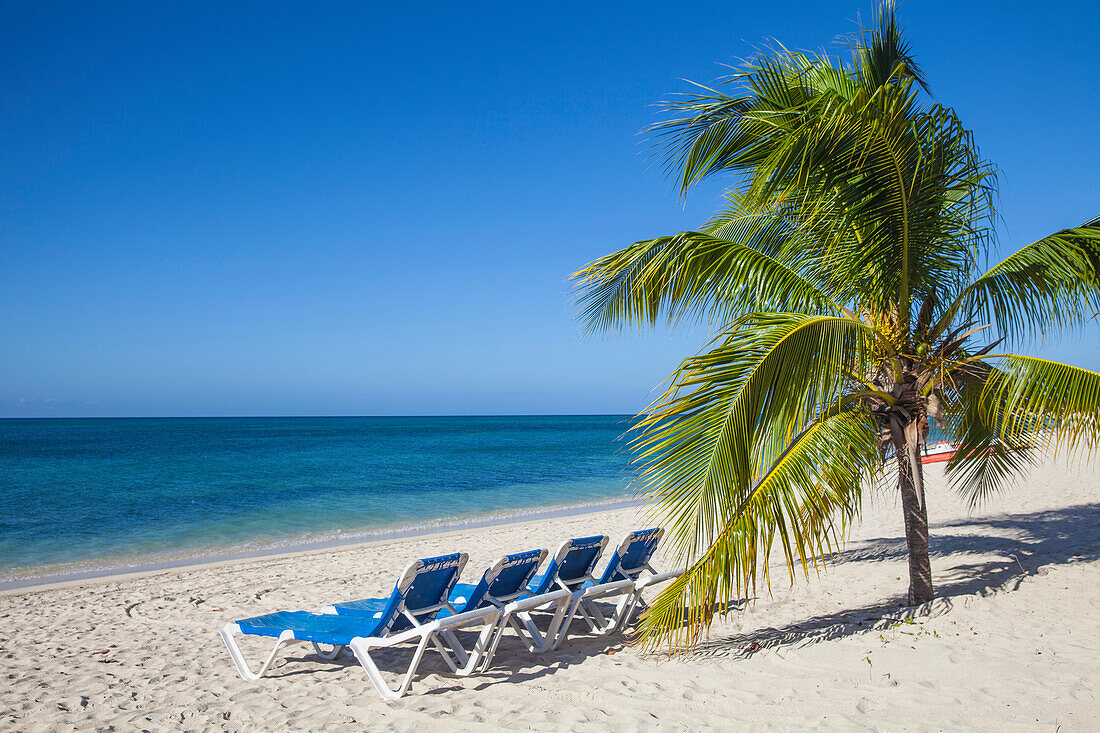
{"x": 294, "y": 548}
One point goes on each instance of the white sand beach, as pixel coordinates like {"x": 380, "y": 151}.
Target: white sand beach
{"x": 1012, "y": 642}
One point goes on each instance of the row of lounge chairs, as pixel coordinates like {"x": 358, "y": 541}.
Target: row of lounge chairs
{"x": 428, "y": 606}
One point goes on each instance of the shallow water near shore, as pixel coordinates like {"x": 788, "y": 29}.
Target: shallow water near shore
{"x": 88, "y": 497}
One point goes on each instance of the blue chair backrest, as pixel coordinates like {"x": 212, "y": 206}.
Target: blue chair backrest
{"x": 632, "y": 555}
{"x": 572, "y": 563}
{"x": 422, "y": 590}
{"x": 506, "y": 579}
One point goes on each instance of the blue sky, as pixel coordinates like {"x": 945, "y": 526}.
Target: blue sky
{"x": 277, "y": 209}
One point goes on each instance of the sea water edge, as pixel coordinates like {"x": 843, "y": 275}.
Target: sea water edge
{"x": 41, "y": 575}
{"x": 450, "y": 473}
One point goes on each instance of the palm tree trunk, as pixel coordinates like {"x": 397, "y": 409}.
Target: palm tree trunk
{"x": 911, "y": 485}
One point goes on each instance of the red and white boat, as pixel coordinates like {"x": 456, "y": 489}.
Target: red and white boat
{"x": 938, "y": 453}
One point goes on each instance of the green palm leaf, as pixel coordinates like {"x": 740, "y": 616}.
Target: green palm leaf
{"x": 1050, "y": 284}
{"x": 719, "y": 427}
{"x": 1030, "y": 400}
{"x": 804, "y": 500}
{"x": 983, "y": 462}
{"x": 693, "y": 274}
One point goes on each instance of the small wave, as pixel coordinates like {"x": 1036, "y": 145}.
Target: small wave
{"x": 25, "y": 577}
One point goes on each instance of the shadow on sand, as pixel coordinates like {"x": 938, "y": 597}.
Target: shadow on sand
{"x": 1023, "y": 545}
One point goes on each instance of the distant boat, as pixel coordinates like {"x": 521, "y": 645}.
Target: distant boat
{"x": 938, "y": 453}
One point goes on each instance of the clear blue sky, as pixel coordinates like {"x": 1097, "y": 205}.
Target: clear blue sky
{"x": 373, "y": 208}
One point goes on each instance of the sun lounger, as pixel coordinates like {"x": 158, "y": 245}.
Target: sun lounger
{"x": 622, "y": 578}
{"x": 429, "y": 583}
{"x": 408, "y": 615}
{"x": 502, "y": 582}
{"x": 552, "y": 591}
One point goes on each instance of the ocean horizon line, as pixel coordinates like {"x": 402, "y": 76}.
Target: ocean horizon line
{"x": 318, "y": 417}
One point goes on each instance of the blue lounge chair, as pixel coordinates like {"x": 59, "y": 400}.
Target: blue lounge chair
{"x": 409, "y": 614}
{"x": 621, "y": 577}
{"x": 503, "y": 582}
{"x": 430, "y": 583}
{"x": 552, "y": 591}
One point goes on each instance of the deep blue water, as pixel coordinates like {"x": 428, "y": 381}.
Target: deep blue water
{"x": 93, "y": 494}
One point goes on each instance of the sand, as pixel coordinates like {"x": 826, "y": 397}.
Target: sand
{"x": 1012, "y": 642}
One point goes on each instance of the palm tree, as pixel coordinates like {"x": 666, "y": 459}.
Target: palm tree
{"x": 848, "y": 288}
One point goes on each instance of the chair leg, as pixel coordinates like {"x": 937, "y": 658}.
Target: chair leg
{"x": 228, "y": 633}
{"x": 462, "y": 657}
{"x": 569, "y": 612}
{"x": 633, "y": 602}
{"x": 451, "y": 657}
{"x": 453, "y": 653}
{"x": 571, "y": 607}
{"x": 597, "y": 622}
{"x": 477, "y": 659}
{"x": 620, "y": 617}
{"x": 336, "y": 650}
{"x": 361, "y": 648}
{"x": 535, "y": 640}
{"x": 595, "y": 618}
{"x": 528, "y": 632}
{"x": 494, "y": 641}
{"x": 530, "y": 635}
{"x": 484, "y": 649}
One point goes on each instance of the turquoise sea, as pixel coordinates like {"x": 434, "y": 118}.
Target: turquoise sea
{"x": 81, "y": 497}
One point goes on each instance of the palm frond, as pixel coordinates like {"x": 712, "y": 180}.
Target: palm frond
{"x": 715, "y": 132}
{"x": 983, "y": 463}
{"x": 1027, "y": 400}
{"x": 883, "y": 56}
{"x": 804, "y": 500}
{"x": 1053, "y": 283}
{"x": 751, "y": 262}
{"x": 730, "y": 412}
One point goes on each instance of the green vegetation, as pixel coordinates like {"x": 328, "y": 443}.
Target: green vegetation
{"x": 848, "y": 286}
